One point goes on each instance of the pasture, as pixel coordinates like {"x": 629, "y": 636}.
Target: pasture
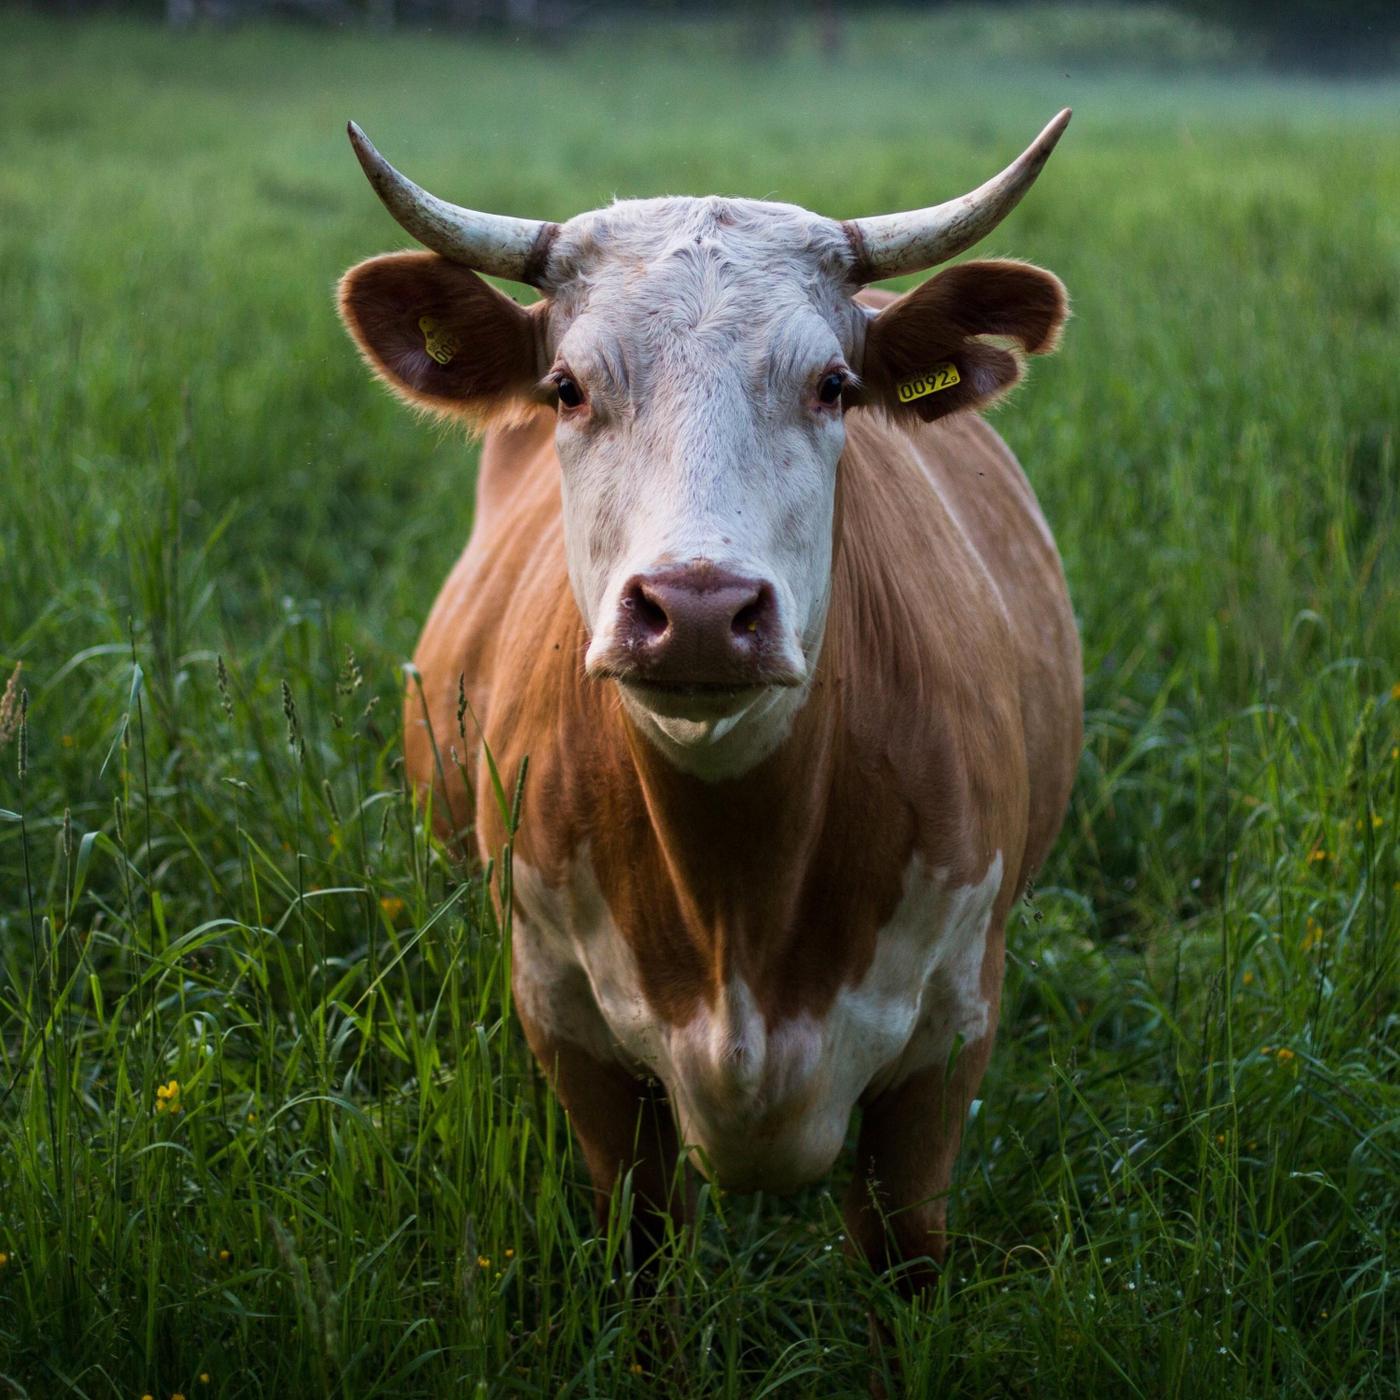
{"x": 266, "y": 1125}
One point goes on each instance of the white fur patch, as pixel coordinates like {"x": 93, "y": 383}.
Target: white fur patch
{"x": 698, "y": 330}
{"x": 713, "y": 750}
{"x": 763, "y": 1106}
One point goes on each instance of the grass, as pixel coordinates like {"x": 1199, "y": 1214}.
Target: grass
{"x": 217, "y": 542}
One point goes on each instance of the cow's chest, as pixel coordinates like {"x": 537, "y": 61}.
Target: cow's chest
{"x": 762, "y": 1103}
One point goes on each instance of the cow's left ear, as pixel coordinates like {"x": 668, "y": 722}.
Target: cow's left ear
{"x": 925, "y": 355}
{"x": 444, "y": 339}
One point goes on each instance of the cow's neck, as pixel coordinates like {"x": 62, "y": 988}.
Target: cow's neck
{"x": 737, "y": 849}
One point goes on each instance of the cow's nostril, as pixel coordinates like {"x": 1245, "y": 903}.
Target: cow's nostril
{"x": 746, "y": 620}
{"x": 649, "y": 618}
{"x": 752, "y": 619}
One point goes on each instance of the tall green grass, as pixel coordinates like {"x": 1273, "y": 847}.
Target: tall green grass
{"x": 217, "y": 541}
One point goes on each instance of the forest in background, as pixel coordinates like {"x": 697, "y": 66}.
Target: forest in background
{"x": 1324, "y": 35}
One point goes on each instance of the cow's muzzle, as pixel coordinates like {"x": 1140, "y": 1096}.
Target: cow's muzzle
{"x": 696, "y": 632}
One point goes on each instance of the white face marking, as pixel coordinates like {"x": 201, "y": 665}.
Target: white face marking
{"x": 700, "y": 330}
{"x": 714, "y": 749}
{"x": 764, "y": 1106}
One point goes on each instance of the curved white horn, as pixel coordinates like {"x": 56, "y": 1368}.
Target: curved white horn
{"x": 889, "y": 245}
{"x": 494, "y": 243}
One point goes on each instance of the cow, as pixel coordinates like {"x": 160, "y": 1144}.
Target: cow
{"x": 780, "y": 626}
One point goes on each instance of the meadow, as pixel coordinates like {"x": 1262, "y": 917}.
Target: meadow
{"x": 267, "y": 1127}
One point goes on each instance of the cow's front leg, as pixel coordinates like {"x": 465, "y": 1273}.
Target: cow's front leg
{"x": 622, "y": 1124}
{"x": 897, "y": 1207}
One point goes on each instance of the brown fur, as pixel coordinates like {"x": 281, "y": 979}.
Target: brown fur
{"x": 944, "y": 721}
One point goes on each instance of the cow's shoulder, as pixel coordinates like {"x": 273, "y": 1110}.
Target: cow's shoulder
{"x": 944, "y": 542}
{"x": 501, "y": 633}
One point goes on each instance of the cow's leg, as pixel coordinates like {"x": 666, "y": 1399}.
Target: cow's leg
{"x": 622, "y": 1123}
{"x": 897, "y": 1207}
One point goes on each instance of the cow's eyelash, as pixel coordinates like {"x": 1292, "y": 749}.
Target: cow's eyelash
{"x": 565, "y": 385}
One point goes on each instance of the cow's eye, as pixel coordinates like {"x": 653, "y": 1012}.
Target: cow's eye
{"x": 829, "y": 390}
{"x": 570, "y": 395}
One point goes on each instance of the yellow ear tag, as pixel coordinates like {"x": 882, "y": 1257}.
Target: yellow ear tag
{"x": 440, "y": 344}
{"x": 940, "y": 377}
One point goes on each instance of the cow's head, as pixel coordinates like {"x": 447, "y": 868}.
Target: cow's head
{"x": 699, "y": 356}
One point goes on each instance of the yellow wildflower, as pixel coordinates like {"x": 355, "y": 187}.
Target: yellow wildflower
{"x": 4, "y": 1258}
{"x": 1284, "y": 1055}
{"x": 483, "y": 1261}
{"x": 224, "y": 1256}
{"x": 510, "y": 1254}
{"x": 392, "y": 905}
{"x": 1395, "y": 691}
{"x": 1248, "y": 978}
{"x": 204, "y": 1378}
{"x": 178, "y": 1395}
{"x": 636, "y": 1368}
{"x": 1316, "y": 854}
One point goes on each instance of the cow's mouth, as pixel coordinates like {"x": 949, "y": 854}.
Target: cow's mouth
{"x": 692, "y": 700}
{"x": 689, "y": 688}
{"x": 748, "y": 681}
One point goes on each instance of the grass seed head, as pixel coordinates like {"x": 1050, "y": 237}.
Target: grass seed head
{"x": 225, "y": 695}
{"x": 351, "y": 678}
{"x": 289, "y": 711}
{"x": 1356, "y": 750}
{"x": 9, "y": 707}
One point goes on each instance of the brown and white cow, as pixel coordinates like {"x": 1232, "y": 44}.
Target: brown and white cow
{"x": 778, "y": 621}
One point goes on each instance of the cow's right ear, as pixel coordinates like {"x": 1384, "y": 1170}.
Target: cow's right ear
{"x": 442, "y": 338}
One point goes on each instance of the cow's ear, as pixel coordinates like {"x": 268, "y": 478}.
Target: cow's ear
{"x": 925, "y": 355}
{"x": 442, "y": 338}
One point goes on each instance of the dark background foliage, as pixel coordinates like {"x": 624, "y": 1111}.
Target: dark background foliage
{"x": 1324, "y": 35}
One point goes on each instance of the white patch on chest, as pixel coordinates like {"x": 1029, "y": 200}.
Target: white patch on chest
{"x": 762, "y": 1106}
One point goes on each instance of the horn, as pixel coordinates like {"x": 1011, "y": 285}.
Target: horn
{"x": 493, "y": 243}
{"x": 889, "y": 245}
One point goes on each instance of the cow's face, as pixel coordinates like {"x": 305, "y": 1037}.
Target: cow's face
{"x": 699, "y": 356}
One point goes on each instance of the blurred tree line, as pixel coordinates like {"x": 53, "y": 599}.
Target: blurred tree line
{"x": 1322, "y": 34}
